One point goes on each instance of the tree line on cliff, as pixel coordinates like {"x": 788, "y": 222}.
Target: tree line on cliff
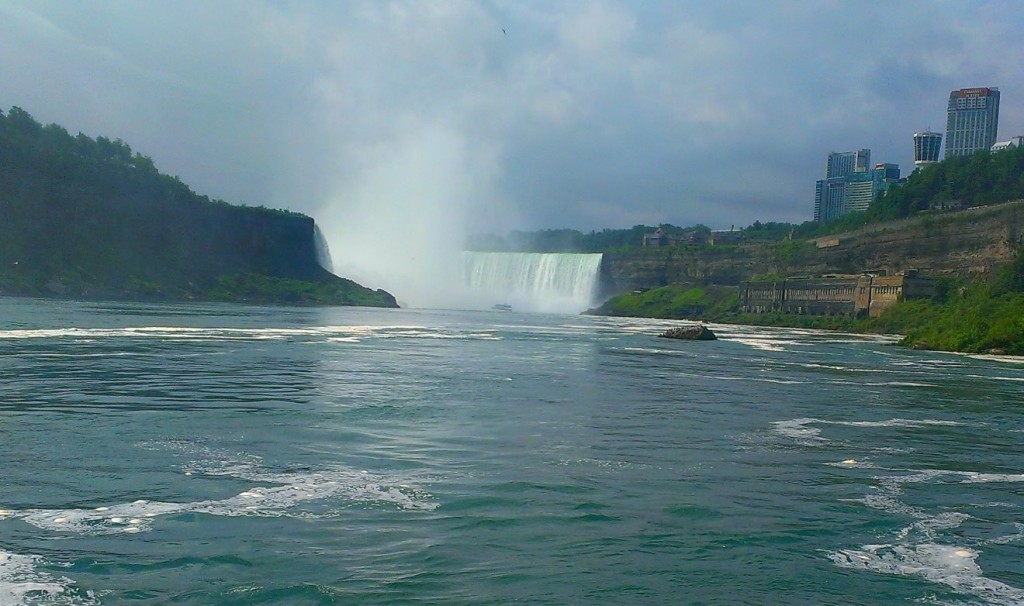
{"x": 88, "y": 217}
{"x": 956, "y": 183}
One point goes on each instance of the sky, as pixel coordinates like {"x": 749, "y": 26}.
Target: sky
{"x": 407, "y": 124}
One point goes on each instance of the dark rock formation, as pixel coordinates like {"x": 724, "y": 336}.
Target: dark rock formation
{"x": 691, "y": 332}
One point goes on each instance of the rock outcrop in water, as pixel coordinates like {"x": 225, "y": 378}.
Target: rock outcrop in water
{"x": 690, "y": 332}
{"x": 88, "y": 218}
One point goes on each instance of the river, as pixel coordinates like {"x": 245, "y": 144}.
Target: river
{"x": 220, "y": 454}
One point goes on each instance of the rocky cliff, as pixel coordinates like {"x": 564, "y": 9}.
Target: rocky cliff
{"x": 960, "y": 243}
{"x": 83, "y": 217}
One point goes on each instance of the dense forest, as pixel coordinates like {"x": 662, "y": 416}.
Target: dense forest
{"x": 88, "y": 217}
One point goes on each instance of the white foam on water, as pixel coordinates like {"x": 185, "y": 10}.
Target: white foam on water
{"x": 838, "y": 367}
{"x": 654, "y": 350}
{"x": 22, "y": 583}
{"x": 1010, "y": 538}
{"x": 971, "y": 477}
{"x": 996, "y": 378}
{"x": 798, "y": 430}
{"x": 764, "y": 344}
{"x": 349, "y": 487}
{"x": 601, "y": 463}
{"x": 247, "y": 334}
{"x": 917, "y": 549}
{"x": 852, "y": 464}
{"x": 801, "y": 429}
{"x": 890, "y": 504}
{"x": 909, "y": 423}
{"x": 997, "y": 358}
{"x": 929, "y": 362}
{"x": 339, "y": 487}
{"x": 953, "y": 566}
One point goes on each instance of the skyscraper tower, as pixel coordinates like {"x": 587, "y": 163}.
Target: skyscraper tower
{"x": 850, "y": 185}
{"x": 830, "y": 192}
{"x": 926, "y": 148}
{"x": 972, "y": 120}
{"x": 840, "y": 164}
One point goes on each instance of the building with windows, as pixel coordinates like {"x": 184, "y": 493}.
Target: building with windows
{"x": 828, "y": 199}
{"x": 1012, "y": 143}
{"x": 972, "y": 120}
{"x": 849, "y": 184}
{"x": 830, "y": 192}
{"x": 840, "y": 164}
{"x": 850, "y": 295}
{"x": 862, "y": 187}
{"x": 926, "y": 148}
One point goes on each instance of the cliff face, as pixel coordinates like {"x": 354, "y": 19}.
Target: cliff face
{"x": 88, "y": 218}
{"x": 958, "y": 243}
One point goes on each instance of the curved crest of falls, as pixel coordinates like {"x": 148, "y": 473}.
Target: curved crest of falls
{"x": 551, "y": 282}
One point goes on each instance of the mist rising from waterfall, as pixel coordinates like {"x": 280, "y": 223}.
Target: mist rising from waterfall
{"x": 402, "y": 208}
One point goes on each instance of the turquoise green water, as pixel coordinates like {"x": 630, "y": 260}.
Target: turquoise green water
{"x": 238, "y": 455}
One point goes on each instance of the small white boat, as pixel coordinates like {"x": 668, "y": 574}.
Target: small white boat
{"x": 502, "y": 307}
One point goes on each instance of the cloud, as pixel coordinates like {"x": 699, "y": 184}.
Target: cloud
{"x": 421, "y": 120}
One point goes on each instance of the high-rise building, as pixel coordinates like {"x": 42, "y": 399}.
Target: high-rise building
{"x": 828, "y": 198}
{"x": 851, "y": 190}
{"x": 863, "y": 187}
{"x": 926, "y": 148}
{"x": 972, "y": 119}
{"x": 830, "y": 193}
{"x": 840, "y": 164}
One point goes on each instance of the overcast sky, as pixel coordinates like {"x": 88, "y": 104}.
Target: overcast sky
{"x": 485, "y": 116}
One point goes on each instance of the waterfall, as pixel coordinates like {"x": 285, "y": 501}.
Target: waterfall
{"x": 552, "y": 282}
{"x": 323, "y": 252}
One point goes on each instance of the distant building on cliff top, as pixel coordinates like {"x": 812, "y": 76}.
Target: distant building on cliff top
{"x": 972, "y": 120}
{"x": 830, "y": 192}
{"x": 850, "y": 184}
{"x": 926, "y": 148}
{"x": 1012, "y": 143}
{"x": 862, "y": 187}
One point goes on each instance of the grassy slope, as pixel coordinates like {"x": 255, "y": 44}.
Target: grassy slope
{"x": 979, "y": 317}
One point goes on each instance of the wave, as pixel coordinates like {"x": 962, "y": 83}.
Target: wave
{"x": 330, "y": 333}
{"x": 917, "y": 549}
{"x": 23, "y": 583}
{"x": 802, "y": 431}
{"x": 954, "y": 566}
{"x": 334, "y": 488}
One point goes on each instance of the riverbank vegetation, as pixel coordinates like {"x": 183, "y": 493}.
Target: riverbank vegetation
{"x": 982, "y": 315}
{"x": 269, "y": 290}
